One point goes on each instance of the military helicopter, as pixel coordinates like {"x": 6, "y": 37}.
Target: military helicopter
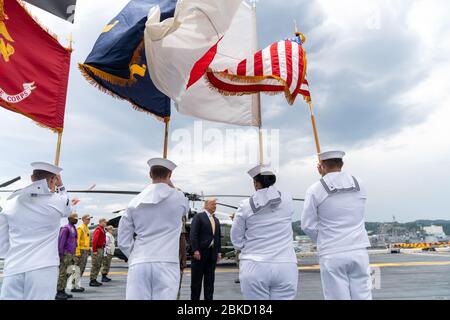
{"x": 224, "y": 218}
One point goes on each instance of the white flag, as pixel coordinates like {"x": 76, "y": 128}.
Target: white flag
{"x": 202, "y": 34}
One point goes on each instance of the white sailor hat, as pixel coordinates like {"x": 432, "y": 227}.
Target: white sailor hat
{"x": 44, "y": 166}
{"x": 260, "y": 169}
{"x": 331, "y": 155}
{"x": 162, "y": 162}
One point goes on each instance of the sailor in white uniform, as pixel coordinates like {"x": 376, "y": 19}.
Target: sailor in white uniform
{"x": 333, "y": 217}
{"x": 262, "y": 231}
{"x": 149, "y": 235}
{"x": 29, "y": 229}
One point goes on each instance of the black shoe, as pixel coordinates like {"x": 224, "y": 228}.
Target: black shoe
{"x": 105, "y": 279}
{"x": 95, "y": 283}
{"x": 69, "y": 296}
{"x": 237, "y": 281}
{"x": 77, "y": 290}
{"x": 61, "y": 295}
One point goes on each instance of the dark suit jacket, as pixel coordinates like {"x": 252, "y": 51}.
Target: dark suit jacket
{"x": 201, "y": 233}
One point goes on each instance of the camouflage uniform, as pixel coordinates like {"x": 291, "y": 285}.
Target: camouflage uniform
{"x": 81, "y": 262}
{"x": 106, "y": 264}
{"x": 65, "y": 263}
{"x": 97, "y": 260}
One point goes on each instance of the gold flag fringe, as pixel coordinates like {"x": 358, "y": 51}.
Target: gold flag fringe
{"x": 8, "y": 106}
{"x": 88, "y": 70}
{"x": 86, "y": 74}
{"x": 257, "y": 79}
{"x": 110, "y": 78}
{"x": 2, "y": 11}
{"x": 250, "y": 80}
{"x": 29, "y": 116}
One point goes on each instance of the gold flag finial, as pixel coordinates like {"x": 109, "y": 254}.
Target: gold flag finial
{"x": 71, "y": 41}
{"x": 298, "y": 33}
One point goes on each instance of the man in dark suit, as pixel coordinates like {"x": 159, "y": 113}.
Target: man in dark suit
{"x": 205, "y": 239}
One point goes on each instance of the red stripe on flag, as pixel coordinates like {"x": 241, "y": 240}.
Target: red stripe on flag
{"x": 289, "y": 68}
{"x": 305, "y": 92}
{"x": 242, "y": 68}
{"x": 300, "y": 71}
{"x": 275, "y": 59}
{"x": 202, "y": 65}
{"x": 259, "y": 64}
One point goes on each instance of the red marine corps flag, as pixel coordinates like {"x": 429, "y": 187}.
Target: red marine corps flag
{"x": 34, "y": 68}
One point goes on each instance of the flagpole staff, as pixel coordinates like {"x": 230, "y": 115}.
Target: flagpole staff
{"x": 260, "y": 132}
{"x": 58, "y": 148}
{"x": 310, "y": 104}
{"x": 60, "y": 133}
{"x": 166, "y": 137}
{"x": 314, "y": 126}
{"x": 257, "y": 98}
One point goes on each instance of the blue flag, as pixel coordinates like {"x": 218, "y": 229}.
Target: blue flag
{"x": 117, "y": 64}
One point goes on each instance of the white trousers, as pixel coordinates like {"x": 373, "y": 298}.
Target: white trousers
{"x": 268, "y": 281}
{"x": 34, "y": 285}
{"x": 153, "y": 281}
{"x": 346, "y": 276}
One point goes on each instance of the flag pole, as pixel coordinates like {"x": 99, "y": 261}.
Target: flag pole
{"x": 260, "y": 132}
{"x": 166, "y": 137}
{"x": 60, "y": 133}
{"x": 257, "y": 98}
{"x": 310, "y": 104}
{"x": 58, "y": 148}
{"x": 314, "y": 126}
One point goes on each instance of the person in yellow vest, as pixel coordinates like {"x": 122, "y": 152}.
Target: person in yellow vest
{"x": 83, "y": 250}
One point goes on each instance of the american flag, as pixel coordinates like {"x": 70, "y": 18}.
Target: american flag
{"x": 281, "y": 67}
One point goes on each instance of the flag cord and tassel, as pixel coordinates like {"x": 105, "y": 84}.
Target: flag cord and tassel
{"x": 166, "y": 137}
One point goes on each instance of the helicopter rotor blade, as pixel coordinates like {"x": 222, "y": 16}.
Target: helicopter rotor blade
{"x": 225, "y": 196}
{"x": 130, "y": 193}
{"x": 238, "y": 196}
{"x": 227, "y": 205}
{"x": 10, "y": 182}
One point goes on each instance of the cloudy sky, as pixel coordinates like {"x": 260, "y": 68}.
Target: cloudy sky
{"x": 379, "y": 75}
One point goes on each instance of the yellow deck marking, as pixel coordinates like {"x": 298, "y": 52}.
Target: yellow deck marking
{"x": 312, "y": 267}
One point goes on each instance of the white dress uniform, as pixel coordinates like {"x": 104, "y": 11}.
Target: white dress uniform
{"x": 29, "y": 229}
{"x": 262, "y": 231}
{"x": 155, "y": 216}
{"x": 333, "y": 217}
